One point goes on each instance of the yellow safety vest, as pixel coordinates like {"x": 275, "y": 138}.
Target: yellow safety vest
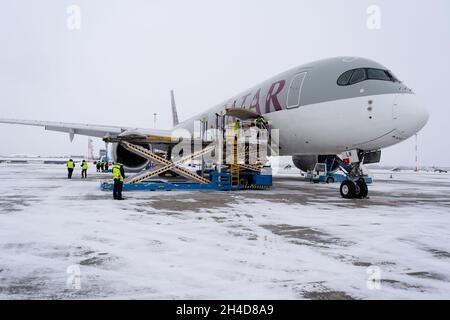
{"x": 117, "y": 175}
{"x": 70, "y": 165}
{"x": 260, "y": 120}
{"x": 84, "y": 166}
{"x": 235, "y": 127}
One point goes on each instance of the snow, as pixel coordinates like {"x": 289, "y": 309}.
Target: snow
{"x": 295, "y": 241}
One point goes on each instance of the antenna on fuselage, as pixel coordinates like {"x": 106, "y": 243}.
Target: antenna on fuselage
{"x": 174, "y": 109}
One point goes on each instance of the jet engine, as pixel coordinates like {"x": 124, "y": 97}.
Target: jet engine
{"x": 131, "y": 161}
{"x": 307, "y": 162}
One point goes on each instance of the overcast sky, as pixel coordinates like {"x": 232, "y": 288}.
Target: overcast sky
{"x": 119, "y": 67}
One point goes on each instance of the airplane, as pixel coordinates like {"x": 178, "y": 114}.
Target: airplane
{"x": 322, "y": 109}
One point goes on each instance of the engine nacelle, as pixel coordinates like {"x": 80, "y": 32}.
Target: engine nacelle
{"x": 131, "y": 161}
{"x": 305, "y": 162}
{"x": 308, "y": 161}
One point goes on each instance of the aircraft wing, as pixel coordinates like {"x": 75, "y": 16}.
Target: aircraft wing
{"x": 91, "y": 130}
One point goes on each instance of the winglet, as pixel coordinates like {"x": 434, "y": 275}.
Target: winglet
{"x": 174, "y": 109}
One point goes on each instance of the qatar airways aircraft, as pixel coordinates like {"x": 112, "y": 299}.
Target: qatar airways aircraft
{"x": 321, "y": 109}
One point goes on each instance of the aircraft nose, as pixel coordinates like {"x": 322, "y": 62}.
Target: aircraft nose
{"x": 409, "y": 115}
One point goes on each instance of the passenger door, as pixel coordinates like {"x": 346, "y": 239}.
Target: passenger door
{"x": 295, "y": 91}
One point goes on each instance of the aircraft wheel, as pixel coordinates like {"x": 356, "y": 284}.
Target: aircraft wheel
{"x": 244, "y": 182}
{"x": 363, "y": 189}
{"x": 330, "y": 180}
{"x": 348, "y": 189}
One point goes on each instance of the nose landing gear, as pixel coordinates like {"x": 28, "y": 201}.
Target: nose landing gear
{"x": 348, "y": 189}
{"x": 355, "y": 187}
{"x": 352, "y": 190}
{"x": 361, "y": 186}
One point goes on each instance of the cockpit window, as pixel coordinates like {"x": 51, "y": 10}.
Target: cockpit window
{"x": 393, "y": 78}
{"x": 345, "y": 78}
{"x": 357, "y": 75}
{"x": 378, "y": 74}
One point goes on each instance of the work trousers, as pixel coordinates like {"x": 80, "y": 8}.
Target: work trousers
{"x": 117, "y": 191}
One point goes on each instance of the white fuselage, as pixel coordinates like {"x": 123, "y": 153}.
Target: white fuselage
{"x": 321, "y": 108}
{"x": 327, "y": 118}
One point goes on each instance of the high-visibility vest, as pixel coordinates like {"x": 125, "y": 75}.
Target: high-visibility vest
{"x": 235, "y": 127}
{"x": 261, "y": 120}
{"x": 117, "y": 175}
{"x": 70, "y": 165}
{"x": 84, "y": 165}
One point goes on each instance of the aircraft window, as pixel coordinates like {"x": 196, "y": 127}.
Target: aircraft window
{"x": 358, "y": 76}
{"x": 344, "y": 78}
{"x": 378, "y": 74}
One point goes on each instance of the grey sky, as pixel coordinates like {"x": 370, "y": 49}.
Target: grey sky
{"x": 118, "y": 69}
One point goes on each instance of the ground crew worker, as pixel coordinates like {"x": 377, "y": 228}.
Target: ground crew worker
{"x": 106, "y": 165}
{"x": 70, "y": 166}
{"x": 261, "y": 122}
{"x": 84, "y": 167}
{"x": 118, "y": 176}
{"x": 102, "y": 166}
{"x": 98, "y": 166}
{"x": 236, "y": 127}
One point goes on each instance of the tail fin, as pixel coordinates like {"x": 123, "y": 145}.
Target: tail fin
{"x": 174, "y": 109}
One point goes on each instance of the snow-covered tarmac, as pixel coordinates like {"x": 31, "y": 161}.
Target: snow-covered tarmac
{"x": 295, "y": 241}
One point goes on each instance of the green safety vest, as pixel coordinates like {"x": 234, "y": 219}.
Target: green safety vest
{"x": 235, "y": 127}
{"x": 117, "y": 175}
{"x": 261, "y": 120}
{"x": 70, "y": 165}
{"x": 84, "y": 165}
